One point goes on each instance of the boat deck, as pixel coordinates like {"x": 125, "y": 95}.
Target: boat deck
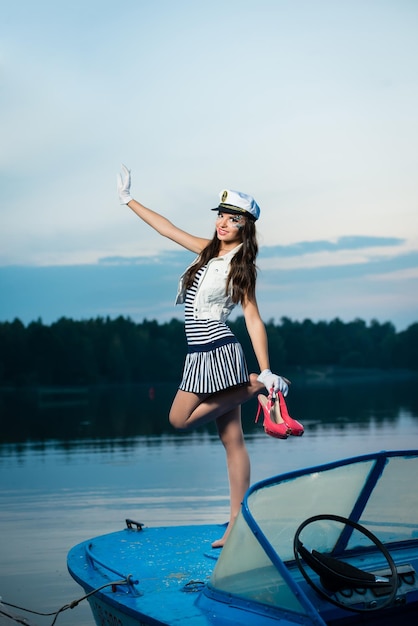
{"x": 174, "y": 563}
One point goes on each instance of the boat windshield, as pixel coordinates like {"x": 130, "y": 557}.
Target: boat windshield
{"x": 379, "y": 488}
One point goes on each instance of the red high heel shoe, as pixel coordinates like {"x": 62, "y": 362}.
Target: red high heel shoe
{"x": 274, "y": 424}
{"x": 295, "y": 428}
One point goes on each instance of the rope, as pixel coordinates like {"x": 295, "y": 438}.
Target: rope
{"x": 16, "y": 619}
{"x": 71, "y": 605}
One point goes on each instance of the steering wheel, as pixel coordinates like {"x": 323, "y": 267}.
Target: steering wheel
{"x": 336, "y": 575}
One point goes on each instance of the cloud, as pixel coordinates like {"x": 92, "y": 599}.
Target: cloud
{"x": 177, "y": 257}
{"x": 357, "y": 242}
{"x": 332, "y": 272}
{"x": 379, "y": 287}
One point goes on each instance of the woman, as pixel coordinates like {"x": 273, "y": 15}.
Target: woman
{"x": 215, "y": 379}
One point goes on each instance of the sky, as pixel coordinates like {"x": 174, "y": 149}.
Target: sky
{"x": 311, "y": 106}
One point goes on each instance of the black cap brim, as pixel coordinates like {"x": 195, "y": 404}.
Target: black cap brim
{"x": 224, "y": 209}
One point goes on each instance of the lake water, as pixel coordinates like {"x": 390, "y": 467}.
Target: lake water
{"x": 75, "y": 465}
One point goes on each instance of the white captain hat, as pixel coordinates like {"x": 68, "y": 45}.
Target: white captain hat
{"x": 238, "y": 203}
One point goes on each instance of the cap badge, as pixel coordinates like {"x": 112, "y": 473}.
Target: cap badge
{"x": 224, "y": 196}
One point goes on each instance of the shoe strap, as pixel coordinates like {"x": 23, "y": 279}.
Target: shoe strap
{"x": 272, "y": 397}
{"x": 258, "y": 411}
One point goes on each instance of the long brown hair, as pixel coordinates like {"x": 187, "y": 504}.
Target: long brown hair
{"x": 243, "y": 271}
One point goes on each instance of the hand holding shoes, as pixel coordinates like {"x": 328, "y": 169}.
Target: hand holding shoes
{"x": 273, "y": 381}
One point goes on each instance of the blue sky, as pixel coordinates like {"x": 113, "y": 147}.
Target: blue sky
{"x": 310, "y": 106}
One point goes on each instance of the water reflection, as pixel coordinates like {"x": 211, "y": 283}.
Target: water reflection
{"x": 113, "y": 415}
{"x": 75, "y": 464}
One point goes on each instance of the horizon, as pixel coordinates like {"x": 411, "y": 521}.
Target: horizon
{"x": 312, "y": 108}
{"x": 293, "y": 282}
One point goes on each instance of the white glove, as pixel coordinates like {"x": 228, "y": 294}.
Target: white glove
{"x": 274, "y": 381}
{"x": 124, "y": 185}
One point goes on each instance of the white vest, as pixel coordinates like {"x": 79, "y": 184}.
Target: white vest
{"x": 211, "y": 300}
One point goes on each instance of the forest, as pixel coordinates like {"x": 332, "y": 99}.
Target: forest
{"x": 107, "y": 351}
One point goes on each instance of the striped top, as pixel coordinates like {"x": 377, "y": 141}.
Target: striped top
{"x": 203, "y": 334}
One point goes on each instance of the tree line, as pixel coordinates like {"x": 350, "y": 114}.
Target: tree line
{"x": 106, "y": 351}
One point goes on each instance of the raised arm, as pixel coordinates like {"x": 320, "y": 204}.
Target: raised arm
{"x": 158, "y": 222}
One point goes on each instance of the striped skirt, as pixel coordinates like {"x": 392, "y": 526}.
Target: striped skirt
{"x": 208, "y": 370}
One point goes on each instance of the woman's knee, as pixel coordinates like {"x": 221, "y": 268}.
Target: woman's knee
{"x": 177, "y": 421}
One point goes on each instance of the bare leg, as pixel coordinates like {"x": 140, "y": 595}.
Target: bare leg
{"x": 238, "y": 463}
{"x": 190, "y": 410}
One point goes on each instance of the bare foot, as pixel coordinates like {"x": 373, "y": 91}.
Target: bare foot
{"x": 219, "y": 543}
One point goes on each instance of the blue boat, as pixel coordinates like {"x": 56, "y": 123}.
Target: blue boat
{"x": 334, "y": 544}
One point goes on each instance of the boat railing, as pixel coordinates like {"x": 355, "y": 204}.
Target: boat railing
{"x": 129, "y": 578}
